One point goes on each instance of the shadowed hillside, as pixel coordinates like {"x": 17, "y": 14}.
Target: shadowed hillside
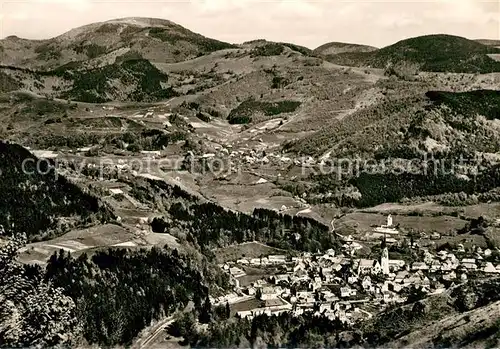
{"x": 40, "y": 202}
{"x": 408, "y": 122}
{"x": 8, "y": 83}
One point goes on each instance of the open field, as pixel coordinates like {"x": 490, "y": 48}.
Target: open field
{"x": 76, "y": 242}
{"x": 92, "y": 239}
{"x": 246, "y": 305}
{"x": 247, "y": 198}
{"x": 254, "y": 274}
{"x": 365, "y": 222}
{"x": 245, "y": 250}
{"x": 431, "y": 208}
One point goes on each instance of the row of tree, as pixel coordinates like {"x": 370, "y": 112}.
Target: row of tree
{"x": 283, "y": 330}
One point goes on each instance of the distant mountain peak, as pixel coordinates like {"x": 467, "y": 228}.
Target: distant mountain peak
{"x": 142, "y": 21}
{"x": 99, "y": 44}
{"x": 342, "y": 47}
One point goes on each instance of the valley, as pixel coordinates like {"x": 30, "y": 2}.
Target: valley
{"x": 135, "y": 150}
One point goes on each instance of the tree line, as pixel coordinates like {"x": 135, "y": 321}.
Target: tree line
{"x": 282, "y": 330}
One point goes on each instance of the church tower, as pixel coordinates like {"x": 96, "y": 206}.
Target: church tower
{"x": 384, "y": 260}
{"x": 389, "y": 221}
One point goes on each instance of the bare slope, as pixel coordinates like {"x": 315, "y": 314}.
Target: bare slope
{"x": 464, "y": 316}
{"x": 478, "y": 328}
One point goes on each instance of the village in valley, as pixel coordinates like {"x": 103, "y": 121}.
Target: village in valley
{"x": 346, "y": 287}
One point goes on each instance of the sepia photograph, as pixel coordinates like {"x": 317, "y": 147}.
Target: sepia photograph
{"x": 257, "y": 174}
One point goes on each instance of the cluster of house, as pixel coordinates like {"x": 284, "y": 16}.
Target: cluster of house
{"x": 250, "y": 156}
{"x": 150, "y": 113}
{"x": 263, "y": 261}
{"x": 351, "y": 289}
{"x": 306, "y": 283}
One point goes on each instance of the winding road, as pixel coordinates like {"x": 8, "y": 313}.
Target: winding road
{"x": 154, "y": 332}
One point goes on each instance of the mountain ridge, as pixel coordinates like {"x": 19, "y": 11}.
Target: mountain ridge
{"x": 334, "y": 47}
{"x": 156, "y": 39}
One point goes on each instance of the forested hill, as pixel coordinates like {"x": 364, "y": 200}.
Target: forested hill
{"x": 440, "y": 53}
{"x": 104, "y": 299}
{"x": 119, "y": 292}
{"x": 40, "y": 202}
{"x": 436, "y": 53}
{"x": 208, "y": 225}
